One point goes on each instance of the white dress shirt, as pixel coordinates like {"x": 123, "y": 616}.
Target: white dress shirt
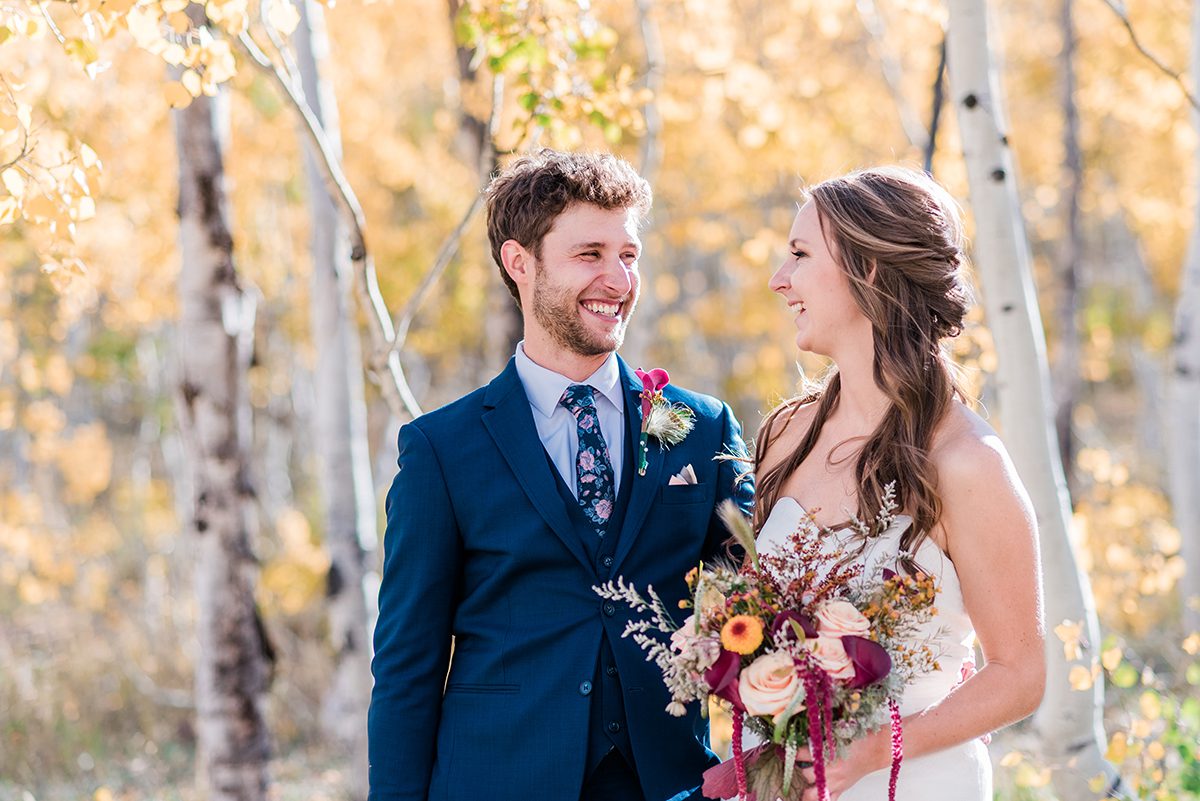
{"x": 556, "y": 426}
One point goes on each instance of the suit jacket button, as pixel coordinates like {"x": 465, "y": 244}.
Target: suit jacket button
{"x": 609, "y": 609}
{"x": 613, "y": 727}
{"x": 607, "y": 561}
{"x": 585, "y": 688}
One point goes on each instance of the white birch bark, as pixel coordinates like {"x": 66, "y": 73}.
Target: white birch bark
{"x": 340, "y": 422}
{"x": 1068, "y": 368}
{"x": 1183, "y": 395}
{"x": 1069, "y": 723}
{"x": 215, "y": 337}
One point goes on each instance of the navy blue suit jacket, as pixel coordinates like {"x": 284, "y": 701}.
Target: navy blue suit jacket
{"x": 479, "y": 548}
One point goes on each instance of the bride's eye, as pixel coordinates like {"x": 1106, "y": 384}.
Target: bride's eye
{"x": 799, "y": 254}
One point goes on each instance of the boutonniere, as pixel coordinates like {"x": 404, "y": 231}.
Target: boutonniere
{"x": 667, "y": 422}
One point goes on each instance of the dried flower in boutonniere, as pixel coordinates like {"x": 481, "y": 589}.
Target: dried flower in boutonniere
{"x": 667, "y": 422}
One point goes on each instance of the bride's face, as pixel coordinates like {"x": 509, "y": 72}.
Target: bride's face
{"x": 816, "y": 290}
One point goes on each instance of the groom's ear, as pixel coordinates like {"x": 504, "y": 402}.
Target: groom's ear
{"x": 518, "y": 262}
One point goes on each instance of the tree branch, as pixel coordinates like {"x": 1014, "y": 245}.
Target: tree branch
{"x": 383, "y": 359}
{"x": 892, "y": 74}
{"x": 448, "y": 249}
{"x": 1133, "y": 37}
{"x": 935, "y": 114}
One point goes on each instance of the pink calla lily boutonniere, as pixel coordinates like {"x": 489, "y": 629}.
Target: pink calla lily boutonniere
{"x": 667, "y": 422}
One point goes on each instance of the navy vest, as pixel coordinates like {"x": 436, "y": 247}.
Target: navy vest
{"x": 607, "y": 725}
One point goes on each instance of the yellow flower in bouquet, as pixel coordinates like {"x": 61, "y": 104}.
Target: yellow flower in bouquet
{"x": 742, "y": 634}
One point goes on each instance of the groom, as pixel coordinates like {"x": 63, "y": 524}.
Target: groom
{"x": 512, "y": 502}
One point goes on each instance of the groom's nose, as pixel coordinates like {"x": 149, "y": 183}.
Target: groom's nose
{"x": 619, "y": 276}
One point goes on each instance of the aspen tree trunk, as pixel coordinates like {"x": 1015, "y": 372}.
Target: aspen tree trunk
{"x": 503, "y": 324}
{"x": 1183, "y": 396}
{"x": 215, "y": 339}
{"x": 1069, "y": 381}
{"x": 1069, "y": 723}
{"x": 340, "y": 418}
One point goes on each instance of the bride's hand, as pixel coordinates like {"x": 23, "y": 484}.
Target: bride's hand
{"x": 862, "y": 757}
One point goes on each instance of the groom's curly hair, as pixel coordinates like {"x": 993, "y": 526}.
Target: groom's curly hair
{"x": 897, "y": 235}
{"x": 525, "y": 199}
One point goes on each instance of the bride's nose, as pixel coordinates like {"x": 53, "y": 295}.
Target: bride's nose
{"x": 781, "y": 280}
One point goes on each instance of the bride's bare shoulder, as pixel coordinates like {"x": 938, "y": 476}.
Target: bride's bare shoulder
{"x": 782, "y": 430}
{"x": 970, "y": 459}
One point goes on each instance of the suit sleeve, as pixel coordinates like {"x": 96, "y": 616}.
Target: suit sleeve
{"x": 417, "y": 595}
{"x": 734, "y": 482}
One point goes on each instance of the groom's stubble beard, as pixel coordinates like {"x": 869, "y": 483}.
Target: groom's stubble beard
{"x": 557, "y": 311}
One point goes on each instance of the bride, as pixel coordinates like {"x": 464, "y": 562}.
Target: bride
{"x": 874, "y": 280}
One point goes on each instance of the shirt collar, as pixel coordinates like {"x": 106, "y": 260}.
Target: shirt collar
{"x": 544, "y": 387}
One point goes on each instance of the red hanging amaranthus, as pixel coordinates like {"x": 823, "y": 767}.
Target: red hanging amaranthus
{"x": 897, "y": 748}
{"x": 739, "y": 762}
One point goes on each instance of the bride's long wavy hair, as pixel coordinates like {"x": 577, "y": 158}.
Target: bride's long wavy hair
{"x": 897, "y": 236}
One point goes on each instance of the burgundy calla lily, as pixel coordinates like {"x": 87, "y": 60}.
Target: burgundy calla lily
{"x": 720, "y": 781}
{"x": 871, "y": 662}
{"x": 782, "y": 624}
{"x": 722, "y": 678}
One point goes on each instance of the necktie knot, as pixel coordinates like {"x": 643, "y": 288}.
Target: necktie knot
{"x": 578, "y": 398}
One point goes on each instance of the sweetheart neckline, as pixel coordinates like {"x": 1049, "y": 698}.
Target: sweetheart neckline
{"x": 804, "y": 511}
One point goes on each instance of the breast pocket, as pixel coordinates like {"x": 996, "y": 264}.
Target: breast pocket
{"x": 683, "y": 493}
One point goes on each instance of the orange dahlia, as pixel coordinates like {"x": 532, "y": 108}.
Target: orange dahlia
{"x": 742, "y": 634}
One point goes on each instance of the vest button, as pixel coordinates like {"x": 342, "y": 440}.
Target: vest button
{"x": 613, "y": 727}
{"x": 585, "y": 688}
{"x": 609, "y": 609}
{"x": 611, "y": 670}
{"x": 607, "y": 561}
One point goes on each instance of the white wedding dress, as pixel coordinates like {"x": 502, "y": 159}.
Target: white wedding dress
{"x": 961, "y": 773}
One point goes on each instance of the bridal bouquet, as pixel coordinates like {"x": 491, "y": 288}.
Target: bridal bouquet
{"x": 801, "y": 647}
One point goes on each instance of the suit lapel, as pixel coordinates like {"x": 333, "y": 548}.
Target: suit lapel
{"x": 645, "y": 488}
{"x": 509, "y": 419}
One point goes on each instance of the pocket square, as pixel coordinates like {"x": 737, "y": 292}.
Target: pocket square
{"x": 685, "y": 476}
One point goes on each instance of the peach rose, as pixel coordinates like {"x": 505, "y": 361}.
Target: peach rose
{"x": 831, "y": 657}
{"x": 768, "y": 684}
{"x": 841, "y": 619}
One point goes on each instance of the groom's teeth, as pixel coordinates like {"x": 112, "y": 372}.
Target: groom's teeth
{"x": 609, "y": 309}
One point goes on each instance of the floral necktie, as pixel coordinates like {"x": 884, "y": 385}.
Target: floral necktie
{"x": 593, "y": 469}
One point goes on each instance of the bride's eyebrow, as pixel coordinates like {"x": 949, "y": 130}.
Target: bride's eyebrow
{"x": 795, "y": 243}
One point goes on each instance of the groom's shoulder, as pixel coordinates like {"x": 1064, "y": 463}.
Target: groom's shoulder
{"x": 704, "y": 406}
{"x": 450, "y": 419}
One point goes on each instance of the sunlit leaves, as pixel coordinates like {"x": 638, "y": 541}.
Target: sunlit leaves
{"x": 562, "y": 59}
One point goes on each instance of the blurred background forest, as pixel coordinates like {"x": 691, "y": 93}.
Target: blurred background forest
{"x": 727, "y": 106}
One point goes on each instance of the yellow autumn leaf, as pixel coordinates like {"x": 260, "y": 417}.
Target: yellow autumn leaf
{"x": 14, "y": 182}
{"x": 1156, "y": 750}
{"x": 1011, "y": 759}
{"x": 1071, "y": 634}
{"x": 81, "y": 51}
{"x": 171, "y": 6}
{"x": 191, "y": 82}
{"x": 34, "y": 28}
{"x": 85, "y": 209}
{"x": 43, "y": 417}
{"x": 1150, "y": 705}
{"x": 1081, "y": 678}
{"x": 142, "y": 23}
{"x": 85, "y": 461}
{"x": 58, "y": 375}
{"x": 1118, "y": 746}
{"x": 9, "y": 208}
{"x": 1097, "y": 783}
{"x": 177, "y": 95}
{"x": 174, "y": 54}
{"x": 179, "y": 22}
{"x": 1191, "y": 645}
{"x": 1111, "y": 658}
{"x": 283, "y": 16}
{"x": 1030, "y": 776}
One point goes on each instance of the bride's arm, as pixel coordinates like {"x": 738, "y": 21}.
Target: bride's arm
{"x": 989, "y": 528}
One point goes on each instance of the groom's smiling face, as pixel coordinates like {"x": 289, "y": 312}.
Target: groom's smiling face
{"x": 586, "y": 282}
